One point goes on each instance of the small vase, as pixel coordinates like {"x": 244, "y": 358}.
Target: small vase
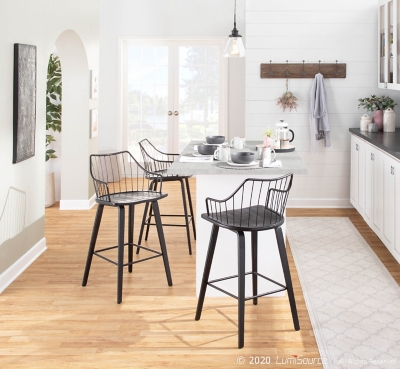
{"x": 50, "y": 197}
{"x": 378, "y": 119}
{"x": 268, "y": 141}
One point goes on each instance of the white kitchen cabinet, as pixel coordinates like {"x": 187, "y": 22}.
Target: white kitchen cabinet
{"x": 357, "y": 188}
{"x": 396, "y": 201}
{"x": 389, "y": 50}
{"x": 378, "y": 185}
{"x": 376, "y": 166}
{"x": 389, "y": 188}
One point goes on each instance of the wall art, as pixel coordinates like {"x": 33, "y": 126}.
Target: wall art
{"x": 24, "y": 102}
{"x": 94, "y": 84}
{"x": 94, "y": 124}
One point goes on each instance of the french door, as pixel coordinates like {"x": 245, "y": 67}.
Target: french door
{"x": 173, "y": 92}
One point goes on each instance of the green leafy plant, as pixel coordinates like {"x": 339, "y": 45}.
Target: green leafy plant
{"x": 373, "y": 103}
{"x": 53, "y": 103}
{"x": 268, "y": 132}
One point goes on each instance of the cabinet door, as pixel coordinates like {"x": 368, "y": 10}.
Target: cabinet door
{"x": 396, "y": 252}
{"x": 388, "y": 202}
{"x": 377, "y": 191}
{"x": 369, "y": 184}
{"x": 357, "y": 185}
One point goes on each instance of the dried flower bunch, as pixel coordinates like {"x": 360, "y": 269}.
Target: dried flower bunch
{"x": 288, "y": 100}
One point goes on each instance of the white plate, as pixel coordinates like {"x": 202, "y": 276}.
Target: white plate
{"x": 252, "y": 164}
{"x": 225, "y": 143}
{"x": 198, "y": 154}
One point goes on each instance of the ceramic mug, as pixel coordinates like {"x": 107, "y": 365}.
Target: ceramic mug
{"x": 223, "y": 153}
{"x": 238, "y": 142}
{"x": 269, "y": 155}
{"x": 260, "y": 151}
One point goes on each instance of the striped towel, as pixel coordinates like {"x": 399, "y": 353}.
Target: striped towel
{"x": 319, "y": 122}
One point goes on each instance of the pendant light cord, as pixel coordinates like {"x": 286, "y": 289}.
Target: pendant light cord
{"x": 234, "y": 17}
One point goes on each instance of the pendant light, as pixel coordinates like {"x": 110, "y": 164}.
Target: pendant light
{"x": 234, "y": 47}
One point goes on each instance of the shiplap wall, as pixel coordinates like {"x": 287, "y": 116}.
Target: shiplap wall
{"x": 312, "y": 30}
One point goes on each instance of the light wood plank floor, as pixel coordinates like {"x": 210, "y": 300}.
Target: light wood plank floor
{"x": 48, "y": 320}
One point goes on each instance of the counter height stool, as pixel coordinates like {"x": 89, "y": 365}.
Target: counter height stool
{"x": 157, "y": 161}
{"x": 257, "y": 205}
{"x": 119, "y": 181}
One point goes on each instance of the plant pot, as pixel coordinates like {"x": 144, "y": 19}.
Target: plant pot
{"x": 378, "y": 119}
{"x": 268, "y": 141}
{"x": 50, "y": 193}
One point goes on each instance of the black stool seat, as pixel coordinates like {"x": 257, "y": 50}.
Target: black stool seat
{"x": 119, "y": 181}
{"x": 257, "y": 205}
{"x": 156, "y": 161}
{"x": 254, "y": 218}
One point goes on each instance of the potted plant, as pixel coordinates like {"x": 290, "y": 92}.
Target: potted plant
{"x": 377, "y": 105}
{"x": 269, "y": 137}
{"x": 53, "y": 119}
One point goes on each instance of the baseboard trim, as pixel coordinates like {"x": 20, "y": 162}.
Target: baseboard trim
{"x": 77, "y": 204}
{"x": 15, "y": 270}
{"x": 319, "y": 203}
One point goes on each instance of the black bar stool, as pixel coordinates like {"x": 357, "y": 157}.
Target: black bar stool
{"x": 119, "y": 181}
{"x": 158, "y": 162}
{"x": 257, "y": 205}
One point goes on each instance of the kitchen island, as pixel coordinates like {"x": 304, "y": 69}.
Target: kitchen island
{"x": 219, "y": 183}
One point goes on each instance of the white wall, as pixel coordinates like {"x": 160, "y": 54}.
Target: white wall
{"x": 312, "y": 30}
{"x": 160, "y": 18}
{"x": 38, "y": 23}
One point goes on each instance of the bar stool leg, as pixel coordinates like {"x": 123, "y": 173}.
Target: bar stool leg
{"x": 131, "y": 219}
{"x": 121, "y": 226}
{"x": 161, "y": 238}
{"x": 186, "y": 216}
{"x": 95, "y": 232}
{"x": 254, "y": 264}
{"x": 190, "y": 206}
{"x": 146, "y": 208}
{"x": 288, "y": 279}
{"x": 207, "y": 268}
{"x": 155, "y": 183}
{"x": 241, "y": 286}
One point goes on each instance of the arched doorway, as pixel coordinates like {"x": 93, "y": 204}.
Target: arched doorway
{"x": 76, "y": 185}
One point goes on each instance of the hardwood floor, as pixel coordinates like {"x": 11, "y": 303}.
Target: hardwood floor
{"x": 48, "y": 320}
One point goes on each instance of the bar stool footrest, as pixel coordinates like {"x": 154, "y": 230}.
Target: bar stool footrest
{"x": 158, "y": 254}
{"x": 147, "y": 222}
{"x": 283, "y": 288}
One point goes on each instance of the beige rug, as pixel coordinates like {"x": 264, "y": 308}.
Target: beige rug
{"x": 353, "y": 301}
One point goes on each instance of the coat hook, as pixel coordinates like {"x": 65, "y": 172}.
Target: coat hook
{"x": 319, "y": 66}
{"x": 302, "y": 72}
{"x": 336, "y": 73}
{"x": 287, "y": 69}
{"x": 270, "y": 73}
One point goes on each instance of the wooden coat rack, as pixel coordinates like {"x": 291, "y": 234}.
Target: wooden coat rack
{"x": 302, "y": 70}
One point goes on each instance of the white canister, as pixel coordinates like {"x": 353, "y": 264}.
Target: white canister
{"x": 365, "y": 120}
{"x": 389, "y": 121}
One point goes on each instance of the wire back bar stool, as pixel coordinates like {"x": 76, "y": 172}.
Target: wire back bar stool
{"x": 257, "y": 205}
{"x": 156, "y": 161}
{"x": 120, "y": 181}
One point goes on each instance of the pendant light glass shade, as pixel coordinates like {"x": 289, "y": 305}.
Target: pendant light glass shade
{"x": 234, "y": 47}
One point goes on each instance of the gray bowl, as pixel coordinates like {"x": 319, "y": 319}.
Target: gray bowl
{"x": 207, "y": 149}
{"x": 215, "y": 140}
{"x": 242, "y": 157}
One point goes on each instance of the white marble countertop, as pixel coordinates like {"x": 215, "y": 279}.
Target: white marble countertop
{"x": 291, "y": 163}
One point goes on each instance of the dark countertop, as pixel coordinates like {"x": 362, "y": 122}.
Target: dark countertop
{"x": 386, "y": 141}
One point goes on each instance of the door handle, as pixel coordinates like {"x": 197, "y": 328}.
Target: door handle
{"x": 372, "y": 157}
{"x": 176, "y": 113}
{"x": 170, "y": 112}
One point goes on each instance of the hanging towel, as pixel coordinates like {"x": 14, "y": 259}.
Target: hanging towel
{"x": 319, "y": 122}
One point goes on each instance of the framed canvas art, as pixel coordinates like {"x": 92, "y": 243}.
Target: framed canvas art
{"x": 94, "y": 84}
{"x": 94, "y": 125}
{"x": 24, "y": 120}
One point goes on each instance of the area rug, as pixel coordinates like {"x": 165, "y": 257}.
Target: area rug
{"x": 352, "y": 300}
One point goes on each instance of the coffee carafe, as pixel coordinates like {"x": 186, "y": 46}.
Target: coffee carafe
{"x": 282, "y": 132}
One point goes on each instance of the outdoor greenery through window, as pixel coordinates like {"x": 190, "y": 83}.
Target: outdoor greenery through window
{"x": 173, "y": 94}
